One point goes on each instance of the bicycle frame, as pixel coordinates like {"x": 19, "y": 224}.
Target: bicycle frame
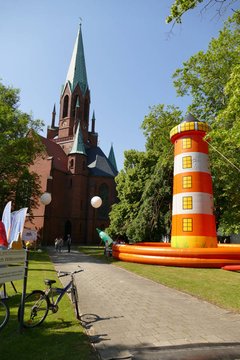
{"x": 61, "y": 292}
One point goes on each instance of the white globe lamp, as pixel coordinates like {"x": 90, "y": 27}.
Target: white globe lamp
{"x": 46, "y": 198}
{"x": 96, "y": 202}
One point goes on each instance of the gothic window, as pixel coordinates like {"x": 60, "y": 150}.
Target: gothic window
{"x": 71, "y": 163}
{"x": 187, "y": 225}
{"x": 65, "y": 106}
{"x": 187, "y": 143}
{"x": 187, "y": 182}
{"x": 104, "y": 195}
{"x": 67, "y": 228}
{"x": 75, "y": 101}
{"x": 187, "y": 162}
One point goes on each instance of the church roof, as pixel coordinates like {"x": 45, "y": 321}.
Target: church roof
{"x": 112, "y": 159}
{"x": 78, "y": 145}
{"x": 77, "y": 73}
{"x": 59, "y": 158}
{"x": 99, "y": 164}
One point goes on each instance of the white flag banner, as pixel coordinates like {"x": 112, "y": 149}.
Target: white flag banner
{"x": 6, "y": 218}
{"x": 17, "y": 224}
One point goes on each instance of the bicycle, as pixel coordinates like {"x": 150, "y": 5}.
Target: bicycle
{"x": 4, "y": 313}
{"x": 38, "y": 302}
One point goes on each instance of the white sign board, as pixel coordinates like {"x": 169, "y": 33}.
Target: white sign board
{"x": 14, "y": 258}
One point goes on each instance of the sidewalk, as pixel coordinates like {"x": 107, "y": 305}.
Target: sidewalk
{"x": 129, "y": 317}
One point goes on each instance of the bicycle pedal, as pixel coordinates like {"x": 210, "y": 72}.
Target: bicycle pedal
{"x": 54, "y": 309}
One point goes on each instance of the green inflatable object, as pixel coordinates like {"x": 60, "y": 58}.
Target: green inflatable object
{"x": 105, "y": 237}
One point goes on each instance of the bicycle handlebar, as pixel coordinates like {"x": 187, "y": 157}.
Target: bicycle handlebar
{"x": 67, "y": 273}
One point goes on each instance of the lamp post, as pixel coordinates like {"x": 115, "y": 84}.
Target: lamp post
{"x": 45, "y": 200}
{"x": 96, "y": 202}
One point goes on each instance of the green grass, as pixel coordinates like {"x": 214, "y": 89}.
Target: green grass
{"x": 60, "y": 336}
{"x": 216, "y": 286}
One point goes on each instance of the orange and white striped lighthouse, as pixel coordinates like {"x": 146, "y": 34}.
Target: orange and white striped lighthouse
{"x": 193, "y": 222}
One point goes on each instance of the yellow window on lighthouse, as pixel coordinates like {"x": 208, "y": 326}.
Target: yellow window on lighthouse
{"x": 187, "y": 225}
{"x": 187, "y": 202}
{"x": 187, "y": 143}
{"x": 187, "y": 162}
{"x": 187, "y": 182}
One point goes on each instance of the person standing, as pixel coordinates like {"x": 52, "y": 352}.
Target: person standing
{"x": 60, "y": 244}
{"x": 56, "y": 242}
{"x": 69, "y": 242}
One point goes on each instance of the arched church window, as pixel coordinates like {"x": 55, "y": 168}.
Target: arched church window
{"x": 67, "y": 229}
{"x": 104, "y": 194}
{"x": 74, "y": 103}
{"x": 65, "y": 106}
{"x": 71, "y": 164}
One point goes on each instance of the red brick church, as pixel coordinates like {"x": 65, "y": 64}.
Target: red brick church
{"x": 74, "y": 168}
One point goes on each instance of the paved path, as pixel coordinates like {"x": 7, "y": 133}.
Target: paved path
{"x": 129, "y": 317}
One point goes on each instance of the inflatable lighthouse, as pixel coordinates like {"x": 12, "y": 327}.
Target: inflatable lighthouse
{"x": 193, "y": 222}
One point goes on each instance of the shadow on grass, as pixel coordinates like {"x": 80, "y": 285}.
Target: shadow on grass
{"x": 54, "y": 339}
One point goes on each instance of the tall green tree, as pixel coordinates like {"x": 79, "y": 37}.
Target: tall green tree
{"x": 212, "y": 79}
{"x": 180, "y": 7}
{"x": 145, "y": 185}
{"x": 153, "y": 221}
{"x": 19, "y": 145}
{"x": 130, "y": 184}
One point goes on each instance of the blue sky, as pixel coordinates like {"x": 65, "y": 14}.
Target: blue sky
{"x": 129, "y": 51}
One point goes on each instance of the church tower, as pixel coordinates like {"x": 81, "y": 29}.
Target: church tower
{"x": 75, "y": 168}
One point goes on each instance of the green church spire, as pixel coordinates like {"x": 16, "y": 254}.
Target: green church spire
{"x": 77, "y": 73}
{"x": 112, "y": 159}
{"x": 78, "y": 145}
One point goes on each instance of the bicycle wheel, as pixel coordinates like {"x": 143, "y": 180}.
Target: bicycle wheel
{"x": 74, "y": 296}
{"x": 4, "y": 314}
{"x": 36, "y": 309}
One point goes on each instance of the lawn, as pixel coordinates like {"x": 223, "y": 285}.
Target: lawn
{"x": 216, "y": 286}
{"x": 60, "y": 336}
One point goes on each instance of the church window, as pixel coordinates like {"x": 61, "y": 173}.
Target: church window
{"x": 75, "y": 102}
{"x": 187, "y": 162}
{"x": 104, "y": 195}
{"x": 71, "y": 163}
{"x": 65, "y": 106}
{"x": 187, "y": 225}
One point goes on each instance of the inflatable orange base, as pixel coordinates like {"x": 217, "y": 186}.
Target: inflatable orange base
{"x": 163, "y": 254}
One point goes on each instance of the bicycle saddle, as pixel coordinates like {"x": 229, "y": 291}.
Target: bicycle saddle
{"x": 49, "y": 282}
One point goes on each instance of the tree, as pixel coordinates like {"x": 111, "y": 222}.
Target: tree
{"x": 145, "y": 185}
{"x": 180, "y": 7}
{"x": 130, "y": 184}
{"x": 212, "y": 79}
{"x": 205, "y": 74}
{"x": 19, "y": 145}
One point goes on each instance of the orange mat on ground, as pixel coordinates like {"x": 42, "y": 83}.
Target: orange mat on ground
{"x": 163, "y": 254}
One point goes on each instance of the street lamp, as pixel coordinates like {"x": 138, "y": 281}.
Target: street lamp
{"x": 46, "y": 198}
{"x": 96, "y": 202}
